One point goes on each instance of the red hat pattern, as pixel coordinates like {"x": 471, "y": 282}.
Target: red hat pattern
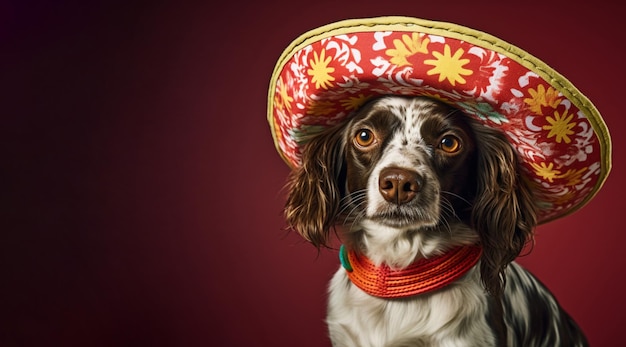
{"x": 562, "y": 141}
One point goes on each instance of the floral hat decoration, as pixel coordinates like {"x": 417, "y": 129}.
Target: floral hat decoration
{"x": 325, "y": 74}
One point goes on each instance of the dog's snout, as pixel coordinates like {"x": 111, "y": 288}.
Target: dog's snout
{"x": 398, "y": 185}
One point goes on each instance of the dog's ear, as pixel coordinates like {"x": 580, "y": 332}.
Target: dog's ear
{"x": 503, "y": 214}
{"x": 315, "y": 188}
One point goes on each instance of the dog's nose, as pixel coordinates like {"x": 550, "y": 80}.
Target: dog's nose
{"x": 398, "y": 185}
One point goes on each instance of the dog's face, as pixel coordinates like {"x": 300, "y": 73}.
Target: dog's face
{"x": 408, "y": 163}
{"x": 411, "y": 165}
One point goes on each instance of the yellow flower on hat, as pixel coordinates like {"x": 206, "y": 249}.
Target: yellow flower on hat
{"x": 320, "y": 71}
{"x": 542, "y": 97}
{"x": 449, "y": 66}
{"x": 547, "y": 172}
{"x": 560, "y": 126}
{"x": 409, "y": 46}
{"x": 283, "y": 99}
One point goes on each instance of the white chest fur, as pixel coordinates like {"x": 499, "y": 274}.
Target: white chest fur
{"x": 452, "y": 316}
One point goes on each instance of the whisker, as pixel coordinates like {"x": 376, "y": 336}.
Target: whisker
{"x": 353, "y": 201}
{"x": 446, "y": 206}
{"x": 458, "y": 197}
{"x": 356, "y": 218}
{"x": 352, "y": 198}
{"x": 447, "y": 213}
{"x": 352, "y": 195}
{"x": 355, "y": 208}
{"x": 453, "y": 111}
{"x": 445, "y": 224}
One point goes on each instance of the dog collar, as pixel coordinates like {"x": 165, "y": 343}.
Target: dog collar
{"x": 423, "y": 276}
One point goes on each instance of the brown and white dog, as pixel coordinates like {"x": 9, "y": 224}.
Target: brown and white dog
{"x": 410, "y": 179}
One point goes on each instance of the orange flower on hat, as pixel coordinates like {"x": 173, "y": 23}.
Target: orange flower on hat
{"x": 567, "y": 197}
{"x": 410, "y": 45}
{"x": 320, "y": 71}
{"x": 560, "y": 126}
{"x": 320, "y": 108}
{"x": 449, "y": 66}
{"x": 573, "y": 177}
{"x": 353, "y": 102}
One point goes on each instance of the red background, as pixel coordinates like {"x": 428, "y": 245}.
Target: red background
{"x": 142, "y": 193}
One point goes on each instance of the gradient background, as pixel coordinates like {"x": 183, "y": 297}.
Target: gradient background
{"x": 141, "y": 198}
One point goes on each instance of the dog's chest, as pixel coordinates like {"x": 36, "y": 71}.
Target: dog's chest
{"x": 451, "y": 316}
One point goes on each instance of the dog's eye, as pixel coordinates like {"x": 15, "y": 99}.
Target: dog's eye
{"x": 364, "y": 138}
{"x": 450, "y": 144}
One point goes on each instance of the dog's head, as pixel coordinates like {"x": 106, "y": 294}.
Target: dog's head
{"x": 414, "y": 164}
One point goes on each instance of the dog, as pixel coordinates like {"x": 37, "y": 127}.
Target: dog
{"x": 409, "y": 179}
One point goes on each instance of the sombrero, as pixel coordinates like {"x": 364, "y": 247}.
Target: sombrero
{"x": 325, "y": 74}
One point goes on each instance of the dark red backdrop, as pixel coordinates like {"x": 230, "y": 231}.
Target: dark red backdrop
{"x": 142, "y": 193}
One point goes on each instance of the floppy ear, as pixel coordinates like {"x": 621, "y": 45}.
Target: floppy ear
{"x": 314, "y": 188}
{"x": 503, "y": 214}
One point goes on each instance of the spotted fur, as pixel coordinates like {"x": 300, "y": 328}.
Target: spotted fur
{"x": 409, "y": 178}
